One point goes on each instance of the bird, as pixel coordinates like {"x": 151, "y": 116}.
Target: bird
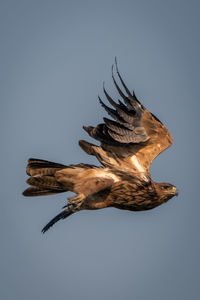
{"x": 128, "y": 143}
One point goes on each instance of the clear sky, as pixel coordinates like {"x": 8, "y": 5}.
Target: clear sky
{"x": 54, "y": 57}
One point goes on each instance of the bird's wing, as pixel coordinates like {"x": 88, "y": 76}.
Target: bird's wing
{"x": 86, "y": 179}
{"x": 133, "y": 139}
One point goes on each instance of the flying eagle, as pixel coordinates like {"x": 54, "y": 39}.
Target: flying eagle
{"x": 128, "y": 145}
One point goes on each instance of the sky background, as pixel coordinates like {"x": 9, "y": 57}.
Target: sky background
{"x": 54, "y": 57}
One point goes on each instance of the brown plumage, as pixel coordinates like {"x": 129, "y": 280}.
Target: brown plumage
{"x": 128, "y": 145}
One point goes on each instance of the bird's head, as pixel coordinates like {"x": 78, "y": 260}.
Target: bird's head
{"x": 167, "y": 191}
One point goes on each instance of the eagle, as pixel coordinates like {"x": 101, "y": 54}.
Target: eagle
{"x": 128, "y": 143}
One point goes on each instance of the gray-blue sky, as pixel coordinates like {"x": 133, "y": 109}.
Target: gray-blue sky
{"x": 54, "y": 56}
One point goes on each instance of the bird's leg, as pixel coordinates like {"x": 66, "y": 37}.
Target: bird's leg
{"x": 76, "y": 202}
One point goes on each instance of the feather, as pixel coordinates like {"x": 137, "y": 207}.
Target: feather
{"x": 114, "y": 126}
{"x": 113, "y": 113}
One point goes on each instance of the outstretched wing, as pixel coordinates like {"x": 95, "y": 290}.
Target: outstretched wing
{"x": 133, "y": 138}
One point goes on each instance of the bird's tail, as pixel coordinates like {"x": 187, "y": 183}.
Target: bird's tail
{"x": 42, "y": 178}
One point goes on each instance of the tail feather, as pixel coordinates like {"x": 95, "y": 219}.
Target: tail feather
{"x": 45, "y": 182}
{"x": 42, "y": 167}
{"x": 42, "y": 178}
{"x": 45, "y": 179}
{"x": 38, "y": 191}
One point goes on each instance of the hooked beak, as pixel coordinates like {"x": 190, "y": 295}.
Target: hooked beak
{"x": 176, "y": 192}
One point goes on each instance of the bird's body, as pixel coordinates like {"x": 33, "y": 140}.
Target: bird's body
{"x": 128, "y": 146}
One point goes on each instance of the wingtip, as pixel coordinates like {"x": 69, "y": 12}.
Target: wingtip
{"x": 88, "y": 129}
{"x": 84, "y": 127}
{"x": 104, "y": 86}
{"x": 100, "y": 100}
{"x": 116, "y": 64}
{"x": 87, "y": 147}
{"x": 112, "y": 69}
{"x": 24, "y": 193}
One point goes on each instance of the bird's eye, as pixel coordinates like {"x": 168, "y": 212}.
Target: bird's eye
{"x": 165, "y": 187}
